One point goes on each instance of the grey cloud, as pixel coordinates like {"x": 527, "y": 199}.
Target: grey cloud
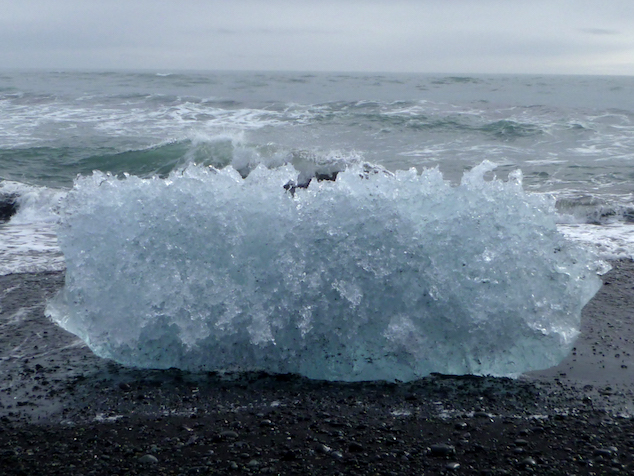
{"x": 274, "y": 31}
{"x": 223, "y": 31}
{"x": 599, "y": 31}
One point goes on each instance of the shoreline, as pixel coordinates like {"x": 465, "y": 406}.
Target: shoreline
{"x": 60, "y": 406}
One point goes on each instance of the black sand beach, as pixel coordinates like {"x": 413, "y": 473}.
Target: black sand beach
{"x": 65, "y": 411}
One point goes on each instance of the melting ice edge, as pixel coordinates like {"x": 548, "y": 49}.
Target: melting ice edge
{"x": 372, "y": 276}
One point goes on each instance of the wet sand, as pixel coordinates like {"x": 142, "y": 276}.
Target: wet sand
{"x": 65, "y": 411}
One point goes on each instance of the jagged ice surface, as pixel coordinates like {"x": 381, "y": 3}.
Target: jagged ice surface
{"x": 373, "y": 276}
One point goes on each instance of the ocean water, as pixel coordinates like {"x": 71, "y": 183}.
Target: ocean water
{"x": 563, "y": 146}
{"x": 571, "y": 136}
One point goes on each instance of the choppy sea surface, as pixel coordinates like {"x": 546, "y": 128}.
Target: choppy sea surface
{"x": 572, "y": 137}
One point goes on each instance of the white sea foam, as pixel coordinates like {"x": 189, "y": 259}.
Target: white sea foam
{"x": 373, "y": 276}
{"x": 28, "y": 242}
{"x": 34, "y": 124}
{"x": 29, "y": 248}
{"x": 611, "y": 241}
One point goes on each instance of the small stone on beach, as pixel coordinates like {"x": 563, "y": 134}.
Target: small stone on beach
{"x": 442, "y": 449}
{"x": 148, "y": 459}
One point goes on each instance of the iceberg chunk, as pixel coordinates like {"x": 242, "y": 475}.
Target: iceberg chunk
{"x": 372, "y": 276}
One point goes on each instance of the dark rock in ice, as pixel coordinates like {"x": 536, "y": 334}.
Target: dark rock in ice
{"x": 291, "y": 186}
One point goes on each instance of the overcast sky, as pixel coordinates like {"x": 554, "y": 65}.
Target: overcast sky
{"x": 438, "y": 36}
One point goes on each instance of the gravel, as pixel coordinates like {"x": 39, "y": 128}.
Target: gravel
{"x": 65, "y": 411}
